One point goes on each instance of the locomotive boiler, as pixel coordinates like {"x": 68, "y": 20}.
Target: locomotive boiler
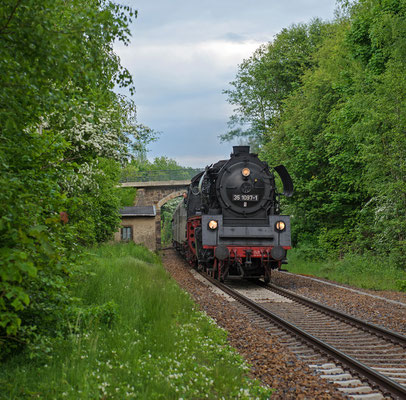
{"x": 229, "y": 223}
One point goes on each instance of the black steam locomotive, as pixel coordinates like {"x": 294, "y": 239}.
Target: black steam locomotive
{"x": 229, "y": 222}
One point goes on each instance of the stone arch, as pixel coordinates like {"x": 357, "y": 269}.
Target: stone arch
{"x": 158, "y": 214}
{"x": 170, "y": 197}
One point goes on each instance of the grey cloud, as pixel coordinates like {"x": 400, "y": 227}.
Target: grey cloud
{"x": 234, "y": 37}
{"x": 183, "y": 55}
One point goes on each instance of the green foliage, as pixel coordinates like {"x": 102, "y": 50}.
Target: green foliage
{"x": 338, "y": 125}
{"x": 308, "y": 250}
{"x": 34, "y": 257}
{"x": 95, "y": 211}
{"x": 401, "y": 285}
{"x": 312, "y": 141}
{"x": 167, "y": 211}
{"x": 84, "y": 318}
{"x": 367, "y": 271}
{"x": 380, "y": 101}
{"x": 140, "y": 336}
{"x": 126, "y": 196}
{"x": 265, "y": 80}
{"x": 162, "y": 168}
{"x": 335, "y": 241}
{"x": 63, "y": 133}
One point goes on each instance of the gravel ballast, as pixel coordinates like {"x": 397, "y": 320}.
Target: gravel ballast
{"x": 371, "y": 309}
{"x": 271, "y": 362}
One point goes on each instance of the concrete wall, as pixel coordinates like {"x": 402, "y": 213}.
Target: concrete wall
{"x": 143, "y": 230}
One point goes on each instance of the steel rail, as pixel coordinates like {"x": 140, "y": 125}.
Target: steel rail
{"x": 385, "y": 384}
{"x": 388, "y": 334}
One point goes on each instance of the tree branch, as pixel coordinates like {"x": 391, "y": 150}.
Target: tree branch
{"x": 3, "y": 28}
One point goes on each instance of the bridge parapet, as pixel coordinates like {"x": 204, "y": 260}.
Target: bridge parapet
{"x": 155, "y": 184}
{"x": 162, "y": 175}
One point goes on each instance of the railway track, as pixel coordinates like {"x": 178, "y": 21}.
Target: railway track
{"x": 340, "y": 286}
{"x": 365, "y": 360}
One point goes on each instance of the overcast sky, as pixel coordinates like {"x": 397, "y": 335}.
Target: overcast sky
{"x": 184, "y": 53}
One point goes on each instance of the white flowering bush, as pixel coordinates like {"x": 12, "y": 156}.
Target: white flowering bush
{"x": 63, "y": 132}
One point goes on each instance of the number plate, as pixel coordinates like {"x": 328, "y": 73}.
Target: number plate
{"x": 245, "y": 197}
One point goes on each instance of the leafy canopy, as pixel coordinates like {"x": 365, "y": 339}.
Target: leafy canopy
{"x": 63, "y": 133}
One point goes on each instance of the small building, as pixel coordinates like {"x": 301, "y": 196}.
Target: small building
{"x": 138, "y": 225}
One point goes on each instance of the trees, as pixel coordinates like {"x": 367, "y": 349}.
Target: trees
{"x": 63, "y": 132}
{"x": 313, "y": 138}
{"x": 167, "y": 211}
{"x": 377, "y": 42}
{"x": 338, "y": 125}
{"x": 265, "y": 80}
{"x": 160, "y": 169}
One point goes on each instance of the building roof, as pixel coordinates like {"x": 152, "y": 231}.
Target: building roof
{"x": 138, "y": 211}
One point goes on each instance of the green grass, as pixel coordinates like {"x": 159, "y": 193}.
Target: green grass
{"x": 363, "y": 271}
{"x": 136, "y": 335}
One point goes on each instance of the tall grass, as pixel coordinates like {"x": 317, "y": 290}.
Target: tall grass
{"x": 363, "y": 271}
{"x": 135, "y": 335}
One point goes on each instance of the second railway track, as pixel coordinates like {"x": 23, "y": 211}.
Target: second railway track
{"x": 367, "y": 361}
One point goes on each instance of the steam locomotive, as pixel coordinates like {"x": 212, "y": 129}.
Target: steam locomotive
{"x": 229, "y": 222}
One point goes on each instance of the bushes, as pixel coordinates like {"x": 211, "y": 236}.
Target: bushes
{"x": 63, "y": 133}
{"x": 33, "y": 256}
{"x": 82, "y": 318}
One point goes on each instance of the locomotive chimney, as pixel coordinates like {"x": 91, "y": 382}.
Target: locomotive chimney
{"x": 240, "y": 149}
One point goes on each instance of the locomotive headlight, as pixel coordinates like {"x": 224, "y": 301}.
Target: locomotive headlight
{"x": 280, "y": 226}
{"x": 246, "y": 172}
{"x": 213, "y": 224}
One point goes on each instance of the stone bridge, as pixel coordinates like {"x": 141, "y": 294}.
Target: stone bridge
{"x": 157, "y": 193}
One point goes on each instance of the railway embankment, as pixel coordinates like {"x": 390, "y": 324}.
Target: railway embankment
{"x": 137, "y": 336}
